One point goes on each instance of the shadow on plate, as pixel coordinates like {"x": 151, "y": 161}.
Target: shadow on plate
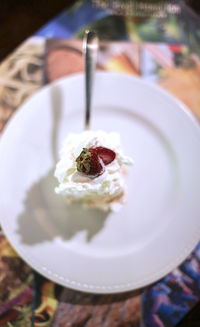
{"x": 46, "y": 215}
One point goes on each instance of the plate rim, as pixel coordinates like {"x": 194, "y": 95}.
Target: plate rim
{"x": 139, "y": 80}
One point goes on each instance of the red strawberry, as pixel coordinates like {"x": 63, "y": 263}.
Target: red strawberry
{"x": 89, "y": 163}
{"x": 105, "y": 154}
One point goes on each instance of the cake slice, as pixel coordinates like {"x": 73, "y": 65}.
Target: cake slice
{"x": 91, "y": 170}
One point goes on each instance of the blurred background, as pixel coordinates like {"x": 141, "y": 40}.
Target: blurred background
{"x": 21, "y": 18}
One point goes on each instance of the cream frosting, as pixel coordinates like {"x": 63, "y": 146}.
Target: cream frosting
{"x": 105, "y": 191}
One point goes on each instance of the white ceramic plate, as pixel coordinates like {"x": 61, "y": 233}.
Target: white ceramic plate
{"x": 89, "y": 250}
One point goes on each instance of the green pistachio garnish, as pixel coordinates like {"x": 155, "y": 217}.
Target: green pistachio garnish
{"x": 83, "y": 162}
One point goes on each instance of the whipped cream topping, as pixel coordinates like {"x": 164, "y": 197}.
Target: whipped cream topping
{"x": 105, "y": 191}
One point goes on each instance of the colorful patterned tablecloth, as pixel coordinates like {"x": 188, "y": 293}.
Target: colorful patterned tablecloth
{"x": 158, "y": 50}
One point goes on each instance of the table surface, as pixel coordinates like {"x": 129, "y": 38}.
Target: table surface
{"x": 33, "y": 14}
